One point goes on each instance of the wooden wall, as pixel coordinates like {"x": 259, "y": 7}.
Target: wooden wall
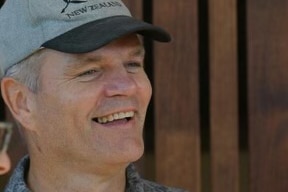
{"x": 267, "y": 42}
{"x": 218, "y": 120}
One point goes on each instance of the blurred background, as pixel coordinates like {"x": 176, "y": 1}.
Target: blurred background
{"x": 218, "y": 119}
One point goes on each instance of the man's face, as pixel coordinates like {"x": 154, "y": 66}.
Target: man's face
{"x": 91, "y": 107}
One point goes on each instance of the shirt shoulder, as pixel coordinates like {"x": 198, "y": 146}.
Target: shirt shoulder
{"x": 136, "y": 184}
{"x": 17, "y": 180}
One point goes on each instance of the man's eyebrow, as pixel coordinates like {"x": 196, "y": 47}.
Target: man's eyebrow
{"x": 140, "y": 51}
{"x": 80, "y": 61}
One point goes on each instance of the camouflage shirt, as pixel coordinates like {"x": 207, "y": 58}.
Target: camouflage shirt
{"x": 134, "y": 182}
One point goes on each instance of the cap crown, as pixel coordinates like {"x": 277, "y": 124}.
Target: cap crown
{"x": 26, "y": 24}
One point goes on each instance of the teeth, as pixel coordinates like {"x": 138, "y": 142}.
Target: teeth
{"x": 115, "y": 116}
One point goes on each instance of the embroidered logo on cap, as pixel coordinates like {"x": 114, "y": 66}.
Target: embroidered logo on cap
{"x": 68, "y": 3}
{"x": 88, "y": 8}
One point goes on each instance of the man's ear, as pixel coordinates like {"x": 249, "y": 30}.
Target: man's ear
{"x": 16, "y": 96}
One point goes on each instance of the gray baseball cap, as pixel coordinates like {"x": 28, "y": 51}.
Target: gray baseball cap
{"x": 71, "y": 26}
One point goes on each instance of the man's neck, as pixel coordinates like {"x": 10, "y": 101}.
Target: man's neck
{"x": 44, "y": 177}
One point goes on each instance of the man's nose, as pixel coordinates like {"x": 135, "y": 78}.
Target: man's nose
{"x": 120, "y": 83}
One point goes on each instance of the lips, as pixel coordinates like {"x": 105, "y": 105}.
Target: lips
{"x": 115, "y": 117}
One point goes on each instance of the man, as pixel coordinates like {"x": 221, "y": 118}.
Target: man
{"x": 73, "y": 79}
{"x": 5, "y": 135}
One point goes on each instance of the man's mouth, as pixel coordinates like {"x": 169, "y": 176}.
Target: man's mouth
{"x": 115, "y": 117}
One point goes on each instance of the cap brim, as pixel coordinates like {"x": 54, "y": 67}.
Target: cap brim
{"x": 95, "y": 34}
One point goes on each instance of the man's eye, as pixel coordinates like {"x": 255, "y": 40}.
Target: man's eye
{"x": 89, "y": 75}
{"x": 89, "y": 72}
{"x": 134, "y": 67}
